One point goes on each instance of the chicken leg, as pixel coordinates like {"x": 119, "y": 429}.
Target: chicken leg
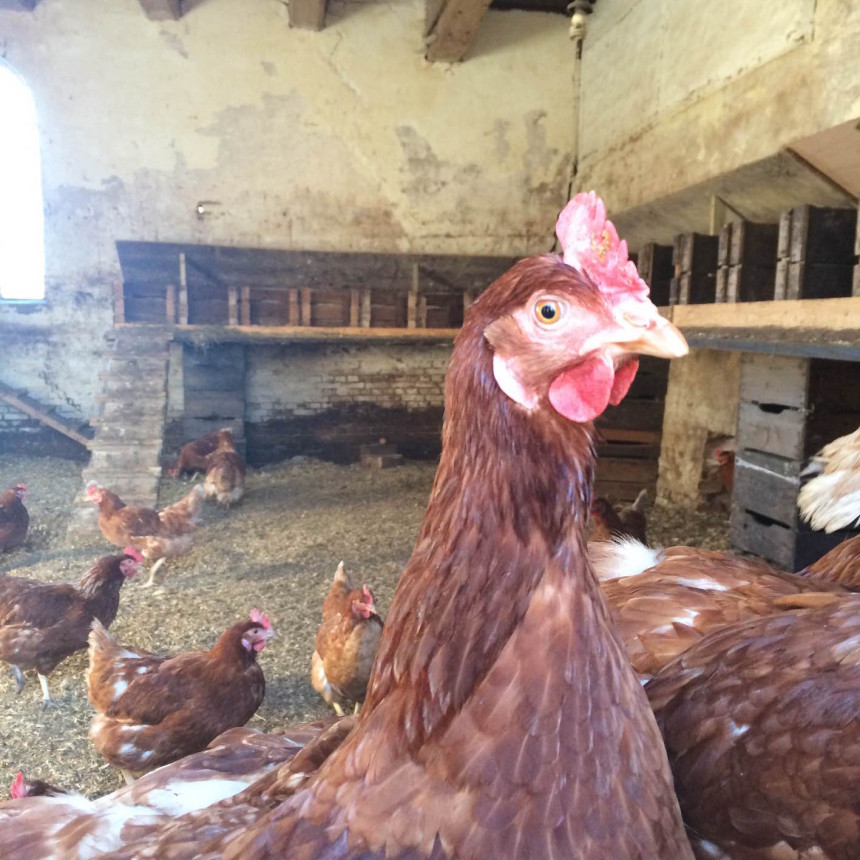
{"x": 18, "y": 675}
{"x": 46, "y": 696}
{"x": 153, "y": 570}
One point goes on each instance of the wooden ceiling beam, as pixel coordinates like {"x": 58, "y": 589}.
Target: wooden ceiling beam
{"x": 307, "y": 14}
{"x": 161, "y": 10}
{"x": 451, "y": 27}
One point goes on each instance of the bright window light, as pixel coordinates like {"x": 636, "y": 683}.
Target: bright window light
{"x": 22, "y": 251}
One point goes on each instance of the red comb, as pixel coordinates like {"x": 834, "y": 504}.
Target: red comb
{"x": 134, "y": 553}
{"x": 368, "y": 596}
{"x": 18, "y": 789}
{"x": 591, "y": 244}
{"x": 20, "y": 486}
{"x": 261, "y": 618}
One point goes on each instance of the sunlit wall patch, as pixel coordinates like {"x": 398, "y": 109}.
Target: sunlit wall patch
{"x": 22, "y": 230}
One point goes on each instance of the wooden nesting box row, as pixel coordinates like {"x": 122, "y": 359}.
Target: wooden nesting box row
{"x": 629, "y": 438}
{"x": 816, "y": 253}
{"x": 813, "y": 252}
{"x": 213, "y": 285}
{"x": 789, "y": 408}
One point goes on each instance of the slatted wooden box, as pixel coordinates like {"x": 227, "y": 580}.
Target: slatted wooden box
{"x": 695, "y": 258}
{"x": 789, "y": 408}
{"x": 656, "y": 268}
{"x": 628, "y": 449}
{"x": 816, "y": 253}
{"x": 746, "y": 258}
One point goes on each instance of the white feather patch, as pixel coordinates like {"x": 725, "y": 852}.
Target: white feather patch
{"x": 621, "y": 557}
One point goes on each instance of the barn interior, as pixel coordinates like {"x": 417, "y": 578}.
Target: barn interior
{"x": 272, "y": 216}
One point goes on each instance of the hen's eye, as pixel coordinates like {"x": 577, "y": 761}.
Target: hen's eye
{"x": 548, "y": 311}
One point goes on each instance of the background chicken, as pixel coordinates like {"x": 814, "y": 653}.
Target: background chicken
{"x": 627, "y": 521}
{"x": 663, "y": 601}
{"x": 831, "y": 500}
{"x": 14, "y": 519}
{"x": 158, "y": 535}
{"x": 761, "y": 721}
{"x": 225, "y": 473}
{"x": 192, "y": 457}
{"x": 32, "y": 788}
{"x": 502, "y": 717}
{"x": 55, "y": 826}
{"x": 43, "y": 623}
{"x": 153, "y": 709}
{"x": 346, "y": 643}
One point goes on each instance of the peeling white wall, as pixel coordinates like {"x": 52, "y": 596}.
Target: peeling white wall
{"x": 340, "y": 140}
{"x": 677, "y": 93}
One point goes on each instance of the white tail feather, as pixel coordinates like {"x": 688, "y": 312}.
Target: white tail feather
{"x": 621, "y": 557}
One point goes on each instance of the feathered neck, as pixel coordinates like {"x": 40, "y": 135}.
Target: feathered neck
{"x": 105, "y": 575}
{"x": 511, "y": 492}
{"x": 229, "y": 647}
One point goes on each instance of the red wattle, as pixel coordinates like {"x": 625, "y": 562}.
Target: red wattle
{"x": 584, "y": 391}
{"x": 624, "y": 377}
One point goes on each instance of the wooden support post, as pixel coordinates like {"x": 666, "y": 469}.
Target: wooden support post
{"x": 364, "y": 315}
{"x": 306, "y": 306}
{"x": 422, "y": 312}
{"x": 245, "y": 309}
{"x": 118, "y": 303}
{"x": 232, "y": 305}
{"x": 293, "y": 316}
{"x": 170, "y": 304}
{"x": 354, "y": 302}
{"x": 183, "y": 291}
{"x": 412, "y": 299}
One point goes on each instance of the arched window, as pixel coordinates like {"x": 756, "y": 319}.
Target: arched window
{"x": 22, "y": 247}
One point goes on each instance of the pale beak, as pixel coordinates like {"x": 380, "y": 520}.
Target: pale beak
{"x": 656, "y": 337}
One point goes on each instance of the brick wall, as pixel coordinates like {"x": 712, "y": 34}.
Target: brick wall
{"x": 326, "y": 400}
{"x": 22, "y": 435}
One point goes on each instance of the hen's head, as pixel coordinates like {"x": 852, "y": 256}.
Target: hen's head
{"x": 568, "y": 331}
{"x": 20, "y": 491}
{"x": 258, "y": 632}
{"x": 601, "y": 509}
{"x": 19, "y": 787}
{"x": 94, "y": 492}
{"x": 131, "y": 562}
{"x": 362, "y": 605}
{"x": 725, "y": 456}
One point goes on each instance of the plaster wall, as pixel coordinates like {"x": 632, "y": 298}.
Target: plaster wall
{"x": 675, "y": 94}
{"x": 702, "y": 398}
{"x": 228, "y": 127}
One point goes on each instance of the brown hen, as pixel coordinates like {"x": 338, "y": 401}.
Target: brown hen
{"x": 192, "y": 457}
{"x": 761, "y": 721}
{"x": 225, "y": 473}
{"x": 502, "y": 718}
{"x": 158, "y": 535}
{"x": 346, "y": 643}
{"x": 42, "y": 623}
{"x": 154, "y": 709}
{"x": 14, "y": 518}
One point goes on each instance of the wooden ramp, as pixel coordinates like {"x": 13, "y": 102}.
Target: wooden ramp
{"x": 47, "y": 415}
{"x": 126, "y": 450}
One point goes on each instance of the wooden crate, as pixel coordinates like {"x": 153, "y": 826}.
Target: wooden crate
{"x": 816, "y": 253}
{"x": 746, "y": 258}
{"x": 657, "y": 268}
{"x": 628, "y": 449}
{"x": 695, "y": 259}
{"x": 789, "y": 408}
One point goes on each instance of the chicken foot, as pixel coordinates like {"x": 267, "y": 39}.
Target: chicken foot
{"x": 153, "y": 570}
{"x": 128, "y": 776}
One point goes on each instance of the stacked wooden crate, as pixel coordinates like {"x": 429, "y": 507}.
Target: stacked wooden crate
{"x": 856, "y": 288}
{"x": 746, "y": 262}
{"x": 657, "y": 269}
{"x": 629, "y": 436}
{"x": 789, "y": 408}
{"x": 214, "y": 391}
{"x": 816, "y": 253}
{"x": 695, "y": 259}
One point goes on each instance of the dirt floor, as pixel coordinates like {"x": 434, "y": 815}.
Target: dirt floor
{"x": 277, "y": 550}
